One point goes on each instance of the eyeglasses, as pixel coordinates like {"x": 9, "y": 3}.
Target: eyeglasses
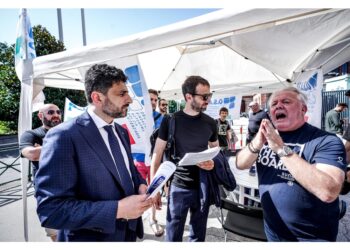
{"x": 51, "y": 112}
{"x": 205, "y": 97}
{"x": 164, "y": 105}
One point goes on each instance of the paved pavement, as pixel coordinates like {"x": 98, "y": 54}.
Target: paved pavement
{"x": 11, "y": 222}
{"x": 11, "y": 219}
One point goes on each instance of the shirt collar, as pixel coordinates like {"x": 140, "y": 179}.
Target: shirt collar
{"x": 99, "y": 122}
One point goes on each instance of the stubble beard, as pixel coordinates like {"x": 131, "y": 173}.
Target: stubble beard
{"x": 196, "y": 107}
{"x": 51, "y": 123}
{"x": 111, "y": 110}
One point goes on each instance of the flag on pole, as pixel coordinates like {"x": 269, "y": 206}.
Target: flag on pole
{"x": 24, "y": 55}
{"x": 25, "y": 50}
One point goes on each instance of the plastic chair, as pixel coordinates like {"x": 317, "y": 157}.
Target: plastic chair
{"x": 243, "y": 220}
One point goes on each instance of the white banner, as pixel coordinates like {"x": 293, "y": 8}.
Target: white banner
{"x": 71, "y": 110}
{"x": 139, "y": 121}
{"x": 312, "y": 88}
{"x": 231, "y": 102}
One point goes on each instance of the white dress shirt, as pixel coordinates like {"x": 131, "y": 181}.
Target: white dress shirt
{"x": 100, "y": 123}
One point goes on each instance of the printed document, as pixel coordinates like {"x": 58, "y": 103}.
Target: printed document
{"x": 194, "y": 158}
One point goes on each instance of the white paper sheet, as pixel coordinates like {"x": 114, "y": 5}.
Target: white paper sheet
{"x": 194, "y": 158}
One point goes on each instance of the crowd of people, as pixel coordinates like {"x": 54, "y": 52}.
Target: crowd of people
{"x": 88, "y": 188}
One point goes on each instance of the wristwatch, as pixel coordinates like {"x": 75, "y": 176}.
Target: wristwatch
{"x": 284, "y": 151}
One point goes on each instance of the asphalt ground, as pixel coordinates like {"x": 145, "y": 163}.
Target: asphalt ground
{"x": 11, "y": 214}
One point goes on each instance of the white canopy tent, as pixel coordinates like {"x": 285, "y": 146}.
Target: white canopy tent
{"x": 232, "y": 45}
{"x": 242, "y": 52}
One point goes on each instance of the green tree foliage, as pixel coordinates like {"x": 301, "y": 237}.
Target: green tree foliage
{"x": 175, "y": 106}
{"x": 10, "y": 86}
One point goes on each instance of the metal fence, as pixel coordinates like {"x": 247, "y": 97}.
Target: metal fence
{"x": 330, "y": 100}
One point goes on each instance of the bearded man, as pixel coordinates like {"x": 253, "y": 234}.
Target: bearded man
{"x": 32, "y": 140}
{"x": 194, "y": 132}
{"x": 87, "y": 186}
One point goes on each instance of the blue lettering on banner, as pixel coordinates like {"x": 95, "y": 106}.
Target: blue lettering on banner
{"x": 308, "y": 85}
{"x": 226, "y": 100}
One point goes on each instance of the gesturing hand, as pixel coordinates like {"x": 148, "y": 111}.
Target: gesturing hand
{"x": 271, "y": 134}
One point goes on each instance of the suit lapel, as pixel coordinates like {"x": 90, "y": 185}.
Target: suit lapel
{"x": 94, "y": 139}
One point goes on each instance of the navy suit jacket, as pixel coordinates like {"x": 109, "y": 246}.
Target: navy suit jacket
{"x": 77, "y": 185}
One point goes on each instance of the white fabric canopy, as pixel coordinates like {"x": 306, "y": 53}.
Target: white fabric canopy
{"x": 246, "y": 51}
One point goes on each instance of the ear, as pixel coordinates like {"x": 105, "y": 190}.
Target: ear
{"x": 188, "y": 97}
{"x": 40, "y": 115}
{"x": 96, "y": 97}
{"x": 304, "y": 109}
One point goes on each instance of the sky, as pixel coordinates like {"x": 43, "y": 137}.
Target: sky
{"x": 100, "y": 24}
{"x": 110, "y": 19}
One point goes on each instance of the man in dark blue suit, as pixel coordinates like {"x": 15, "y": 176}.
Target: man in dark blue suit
{"x": 87, "y": 185}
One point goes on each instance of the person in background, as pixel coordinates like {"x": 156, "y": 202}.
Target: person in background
{"x": 333, "y": 122}
{"x": 255, "y": 117}
{"x": 346, "y": 141}
{"x": 163, "y": 106}
{"x": 194, "y": 132}
{"x": 31, "y": 142}
{"x": 144, "y": 170}
{"x": 300, "y": 172}
{"x": 157, "y": 117}
{"x": 87, "y": 186}
{"x": 224, "y": 129}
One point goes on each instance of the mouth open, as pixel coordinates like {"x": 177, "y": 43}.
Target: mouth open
{"x": 280, "y": 116}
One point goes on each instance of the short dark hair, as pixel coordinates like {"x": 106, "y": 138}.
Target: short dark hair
{"x": 161, "y": 99}
{"x": 191, "y": 83}
{"x": 153, "y": 91}
{"x": 342, "y": 104}
{"x": 101, "y": 77}
{"x": 223, "y": 109}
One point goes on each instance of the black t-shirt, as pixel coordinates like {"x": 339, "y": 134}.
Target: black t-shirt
{"x": 254, "y": 122}
{"x": 223, "y": 127}
{"x": 192, "y": 134}
{"x": 32, "y": 137}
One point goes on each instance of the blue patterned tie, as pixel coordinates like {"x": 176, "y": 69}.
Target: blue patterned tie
{"x": 119, "y": 161}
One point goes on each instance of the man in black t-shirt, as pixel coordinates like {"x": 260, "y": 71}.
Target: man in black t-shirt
{"x": 224, "y": 129}
{"x": 32, "y": 140}
{"x": 194, "y": 131}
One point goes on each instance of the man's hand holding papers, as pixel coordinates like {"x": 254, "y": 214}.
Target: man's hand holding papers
{"x": 202, "y": 159}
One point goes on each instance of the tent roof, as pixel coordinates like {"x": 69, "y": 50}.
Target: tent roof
{"x": 284, "y": 42}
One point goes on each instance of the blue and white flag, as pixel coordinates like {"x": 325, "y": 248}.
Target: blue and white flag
{"x": 72, "y": 110}
{"x": 24, "y": 55}
{"x": 25, "y": 50}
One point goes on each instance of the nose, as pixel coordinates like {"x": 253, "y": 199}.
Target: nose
{"x": 129, "y": 99}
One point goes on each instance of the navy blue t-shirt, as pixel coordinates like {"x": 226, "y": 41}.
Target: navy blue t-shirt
{"x": 290, "y": 211}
